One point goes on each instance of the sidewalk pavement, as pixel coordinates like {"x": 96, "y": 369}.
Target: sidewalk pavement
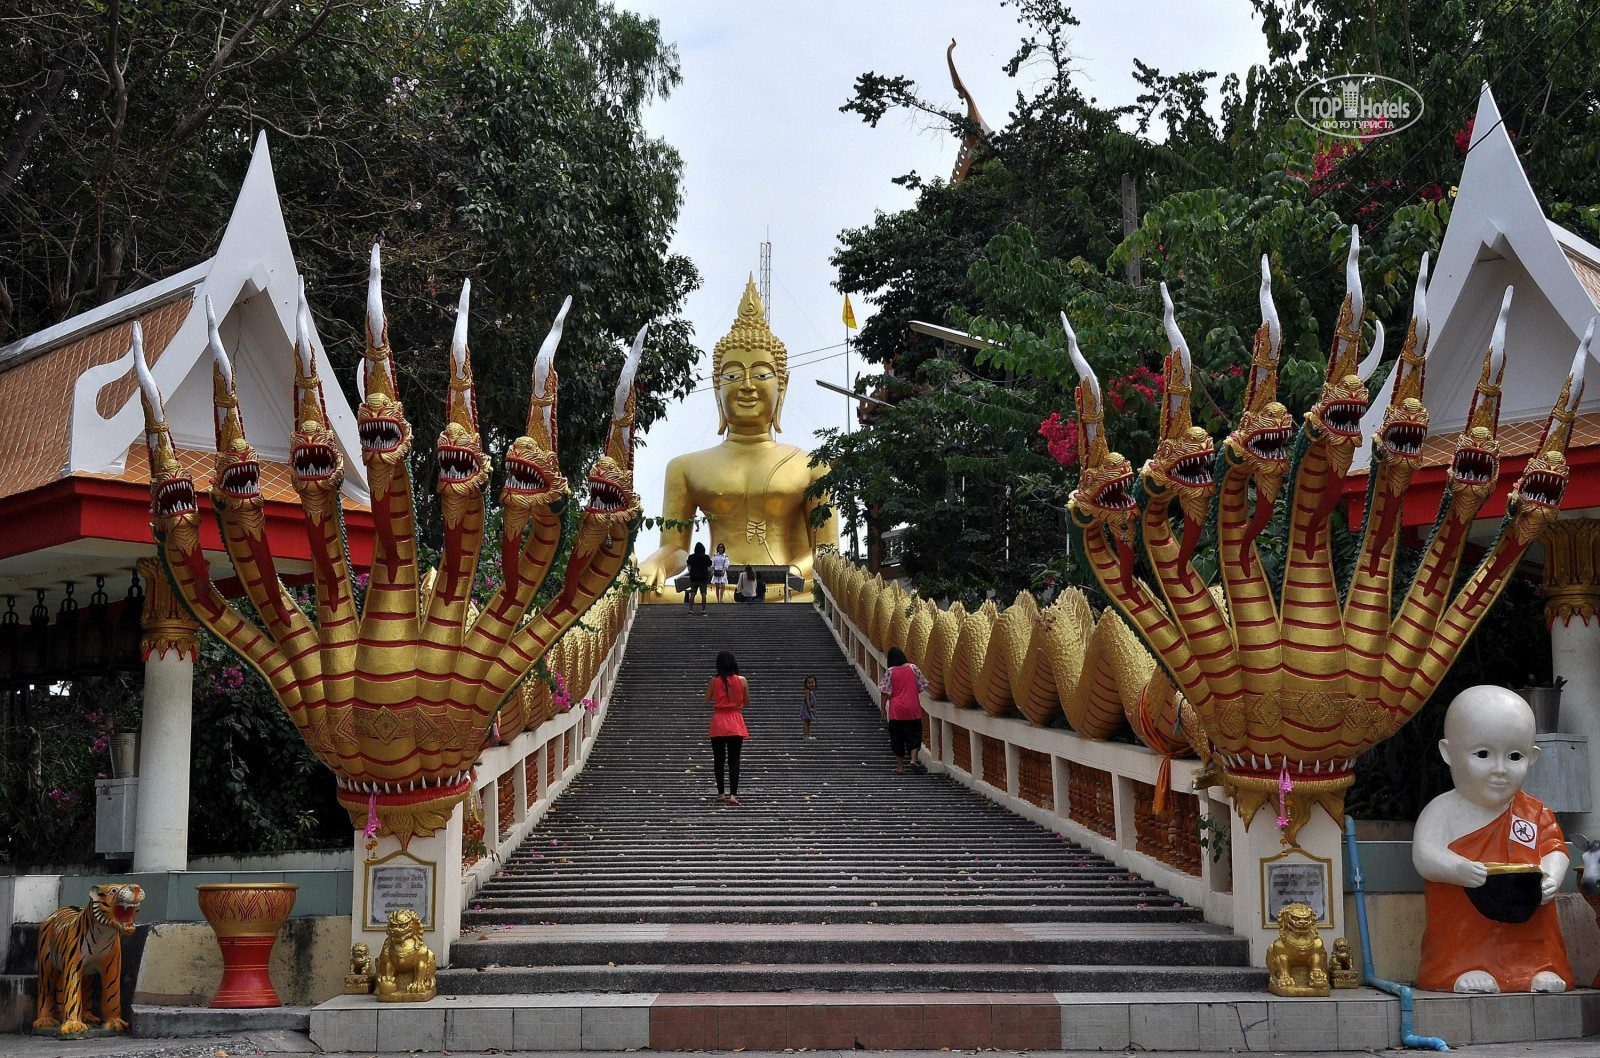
{"x": 267, "y": 1044}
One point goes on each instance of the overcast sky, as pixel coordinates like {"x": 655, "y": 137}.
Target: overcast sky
{"x": 765, "y": 147}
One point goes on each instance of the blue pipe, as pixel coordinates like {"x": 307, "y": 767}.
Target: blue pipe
{"x": 1407, "y": 1034}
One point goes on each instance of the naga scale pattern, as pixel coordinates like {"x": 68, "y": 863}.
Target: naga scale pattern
{"x": 397, "y": 697}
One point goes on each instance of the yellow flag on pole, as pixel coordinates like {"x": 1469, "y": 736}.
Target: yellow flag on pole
{"x": 849, "y": 313}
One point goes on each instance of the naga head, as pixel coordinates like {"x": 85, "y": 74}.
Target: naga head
{"x": 1260, "y": 442}
{"x": 236, "y": 473}
{"x": 1535, "y": 499}
{"x": 315, "y": 465}
{"x": 1405, "y": 420}
{"x": 381, "y": 419}
{"x": 174, "y": 507}
{"x": 1475, "y": 465}
{"x": 1105, "y": 478}
{"x": 533, "y": 476}
{"x": 611, "y": 496}
{"x": 1185, "y": 453}
{"x": 1335, "y": 418}
{"x": 463, "y": 464}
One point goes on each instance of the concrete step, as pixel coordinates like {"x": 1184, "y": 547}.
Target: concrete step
{"x": 1355, "y": 1020}
{"x": 1153, "y": 944}
{"x": 831, "y": 976}
{"x": 966, "y": 911}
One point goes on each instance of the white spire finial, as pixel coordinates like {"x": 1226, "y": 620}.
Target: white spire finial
{"x": 1169, "y": 320}
{"x": 547, "y": 352}
{"x": 1580, "y": 362}
{"x": 1419, "y": 305}
{"x": 375, "y": 297}
{"x": 1079, "y": 364}
{"x": 219, "y": 355}
{"x": 1497, "y": 341}
{"x": 1374, "y": 355}
{"x": 141, "y": 370}
{"x": 1269, "y": 311}
{"x": 1352, "y": 277}
{"x": 458, "y": 342}
{"x": 630, "y": 368}
{"x": 302, "y": 334}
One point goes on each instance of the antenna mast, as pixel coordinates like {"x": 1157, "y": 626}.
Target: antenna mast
{"x": 766, "y": 276}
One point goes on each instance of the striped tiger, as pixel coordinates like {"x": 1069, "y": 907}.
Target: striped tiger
{"x": 80, "y": 942}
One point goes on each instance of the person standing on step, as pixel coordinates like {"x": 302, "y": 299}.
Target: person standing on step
{"x": 902, "y": 686}
{"x": 719, "y": 570}
{"x": 699, "y": 578}
{"x": 808, "y": 709}
{"x": 728, "y": 693}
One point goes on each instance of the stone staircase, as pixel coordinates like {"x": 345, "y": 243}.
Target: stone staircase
{"x": 834, "y": 875}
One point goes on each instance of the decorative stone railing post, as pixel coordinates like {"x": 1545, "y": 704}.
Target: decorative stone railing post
{"x": 1572, "y": 608}
{"x": 170, "y": 647}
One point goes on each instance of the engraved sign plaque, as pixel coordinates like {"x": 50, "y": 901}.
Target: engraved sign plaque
{"x": 1295, "y": 877}
{"x": 395, "y": 883}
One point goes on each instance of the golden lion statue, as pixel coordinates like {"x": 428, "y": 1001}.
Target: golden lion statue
{"x": 405, "y": 966}
{"x": 358, "y": 982}
{"x": 1297, "y": 962}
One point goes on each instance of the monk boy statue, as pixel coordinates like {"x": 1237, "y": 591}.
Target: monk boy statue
{"x": 1492, "y": 856}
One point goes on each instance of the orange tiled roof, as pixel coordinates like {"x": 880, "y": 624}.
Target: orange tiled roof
{"x": 276, "y": 483}
{"x": 36, "y": 442}
{"x": 1516, "y": 439}
{"x": 1588, "y": 275}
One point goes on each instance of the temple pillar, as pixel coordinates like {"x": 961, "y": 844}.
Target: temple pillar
{"x": 170, "y": 646}
{"x": 1572, "y": 608}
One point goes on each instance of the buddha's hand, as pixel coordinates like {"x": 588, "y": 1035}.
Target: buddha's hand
{"x": 663, "y": 562}
{"x": 1469, "y": 874}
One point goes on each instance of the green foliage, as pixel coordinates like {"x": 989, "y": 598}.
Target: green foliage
{"x": 490, "y": 139}
{"x": 1036, "y": 229}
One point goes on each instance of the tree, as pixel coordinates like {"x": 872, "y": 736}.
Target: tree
{"x": 496, "y": 140}
{"x": 482, "y": 139}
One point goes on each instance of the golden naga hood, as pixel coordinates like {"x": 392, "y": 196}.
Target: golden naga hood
{"x": 1293, "y": 679}
{"x": 397, "y": 695}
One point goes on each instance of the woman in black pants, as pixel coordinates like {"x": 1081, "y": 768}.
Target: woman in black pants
{"x": 728, "y": 694}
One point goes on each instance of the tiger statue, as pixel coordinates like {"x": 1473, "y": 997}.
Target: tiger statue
{"x": 80, "y": 942}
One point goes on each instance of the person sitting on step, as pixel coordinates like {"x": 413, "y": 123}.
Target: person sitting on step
{"x": 699, "y": 565}
{"x": 728, "y": 693}
{"x": 902, "y": 686}
{"x": 751, "y": 589}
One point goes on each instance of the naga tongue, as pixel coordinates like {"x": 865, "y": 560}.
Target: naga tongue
{"x": 1192, "y": 528}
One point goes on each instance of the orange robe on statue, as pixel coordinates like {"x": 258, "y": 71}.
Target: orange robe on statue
{"x": 1458, "y": 939}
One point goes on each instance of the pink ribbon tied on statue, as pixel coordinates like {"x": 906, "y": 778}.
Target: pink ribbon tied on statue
{"x": 1285, "y": 788}
{"x": 372, "y": 816}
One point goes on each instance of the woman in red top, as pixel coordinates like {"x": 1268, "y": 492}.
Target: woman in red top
{"x": 902, "y": 686}
{"x": 728, "y": 693}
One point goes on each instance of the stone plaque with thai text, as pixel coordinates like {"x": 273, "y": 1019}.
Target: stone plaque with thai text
{"x": 399, "y": 882}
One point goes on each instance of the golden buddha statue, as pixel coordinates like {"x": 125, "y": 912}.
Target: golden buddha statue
{"x": 751, "y": 488}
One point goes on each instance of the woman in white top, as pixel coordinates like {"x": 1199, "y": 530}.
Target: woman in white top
{"x": 719, "y": 570}
{"x": 750, "y": 587}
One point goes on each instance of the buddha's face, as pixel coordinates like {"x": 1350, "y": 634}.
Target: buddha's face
{"x": 1488, "y": 744}
{"x": 748, "y": 391}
